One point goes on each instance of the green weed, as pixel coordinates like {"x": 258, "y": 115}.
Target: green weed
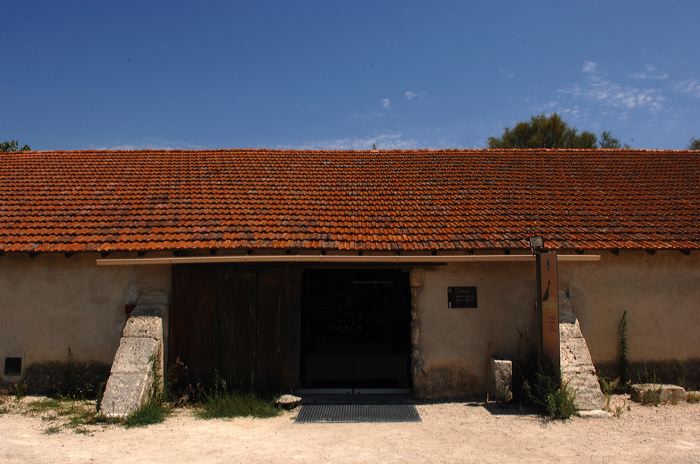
{"x": 45, "y": 405}
{"x": 72, "y": 414}
{"x": 560, "y": 402}
{"x": 153, "y": 412}
{"x": 225, "y": 405}
{"x": 619, "y": 409}
{"x": 609, "y": 387}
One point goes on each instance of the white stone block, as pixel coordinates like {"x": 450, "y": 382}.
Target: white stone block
{"x": 135, "y": 355}
{"x": 501, "y": 380}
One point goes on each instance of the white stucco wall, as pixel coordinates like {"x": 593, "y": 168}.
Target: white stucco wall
{"x": 50, "y": 303}
{"x": 660, "y": 292}
{"x": 452, "y": 347}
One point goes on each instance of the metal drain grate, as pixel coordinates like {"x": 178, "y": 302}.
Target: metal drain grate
{"x": 358, "y": 413}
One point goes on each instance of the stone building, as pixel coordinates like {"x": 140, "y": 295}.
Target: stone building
{"x": 350, "y": 270}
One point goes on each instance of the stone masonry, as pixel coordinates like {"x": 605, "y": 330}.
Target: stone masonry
{"x": 576, "y": 365}
{"x": 500, "y": 380}
{"x": 657, "y": 392}
{"x": 138, "y": 364}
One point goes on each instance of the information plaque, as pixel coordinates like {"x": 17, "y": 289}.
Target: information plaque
{"x": 461, "y": 297}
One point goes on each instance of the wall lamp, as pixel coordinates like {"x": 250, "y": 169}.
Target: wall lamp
{"x": 536, "y": 244}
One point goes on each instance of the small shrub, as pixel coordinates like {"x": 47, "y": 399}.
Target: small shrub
{"x": 153, "y": 412}
{"x": 540, "y": 383}
{"x": 52, "y": 430}
{"x": 226, "y": 405}
{"x": 545, "y": 390}
{"x": 651, "y": 397}
{"x": 560, "y": 402}
{"x": 693, "y": 397}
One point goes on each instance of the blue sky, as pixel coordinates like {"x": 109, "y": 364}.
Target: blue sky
{"x": 338, "y": 74}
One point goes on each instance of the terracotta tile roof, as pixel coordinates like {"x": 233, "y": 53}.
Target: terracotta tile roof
{"x": 348, "y": 200}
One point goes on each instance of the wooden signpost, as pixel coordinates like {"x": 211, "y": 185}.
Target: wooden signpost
{"x": 549, "y": 306}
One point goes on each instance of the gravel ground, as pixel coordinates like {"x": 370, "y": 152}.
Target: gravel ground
{"x": 449, "y": 432}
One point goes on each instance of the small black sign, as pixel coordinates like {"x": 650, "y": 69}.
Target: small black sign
{"x": 461, "y": 297}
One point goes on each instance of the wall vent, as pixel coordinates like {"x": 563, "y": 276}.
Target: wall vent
{"x": 13, "y": 366}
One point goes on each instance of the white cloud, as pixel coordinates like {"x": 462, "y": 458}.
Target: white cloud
{"x": 573, "y": 111}
{"x": 382, "y": 142}
{"x": 413, "y": 94}
{"x": 589, "y": 67}
{"x": 650, "y": 72}
{"x": 689, "y": 87}
{"x": 385, "y": 102}
{"x": 597, "y": 87}
{"x": 569, "y": 112}
{"x": 151, "y": 143}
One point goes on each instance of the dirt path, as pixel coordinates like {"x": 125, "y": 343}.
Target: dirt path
{"x": 452, "y": 432}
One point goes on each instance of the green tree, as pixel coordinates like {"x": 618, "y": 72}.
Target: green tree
{"x": 552, "y": 131}
{"x": 694, "y": 144}
{"x": 12, "y": 145}
{"x": 608, "y": 141}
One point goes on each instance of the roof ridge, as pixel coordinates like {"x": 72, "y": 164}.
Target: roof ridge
{"x": 390, "y": 150}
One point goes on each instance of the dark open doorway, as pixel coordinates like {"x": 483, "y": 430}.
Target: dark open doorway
{"x": 356, "y": 327}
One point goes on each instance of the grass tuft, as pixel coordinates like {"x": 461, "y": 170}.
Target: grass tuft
{"x": 44, "y": 405}
{"x": 651, "y": 397}
{"x": 53, "y": 430}
{"x": 153, "y": 412}
{"x": 73, "y": 414}
{"x": 693, "y": 397}
{"x": 226, "y": 405}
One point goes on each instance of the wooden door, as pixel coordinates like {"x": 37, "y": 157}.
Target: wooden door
{"x": 238, "y": 323}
